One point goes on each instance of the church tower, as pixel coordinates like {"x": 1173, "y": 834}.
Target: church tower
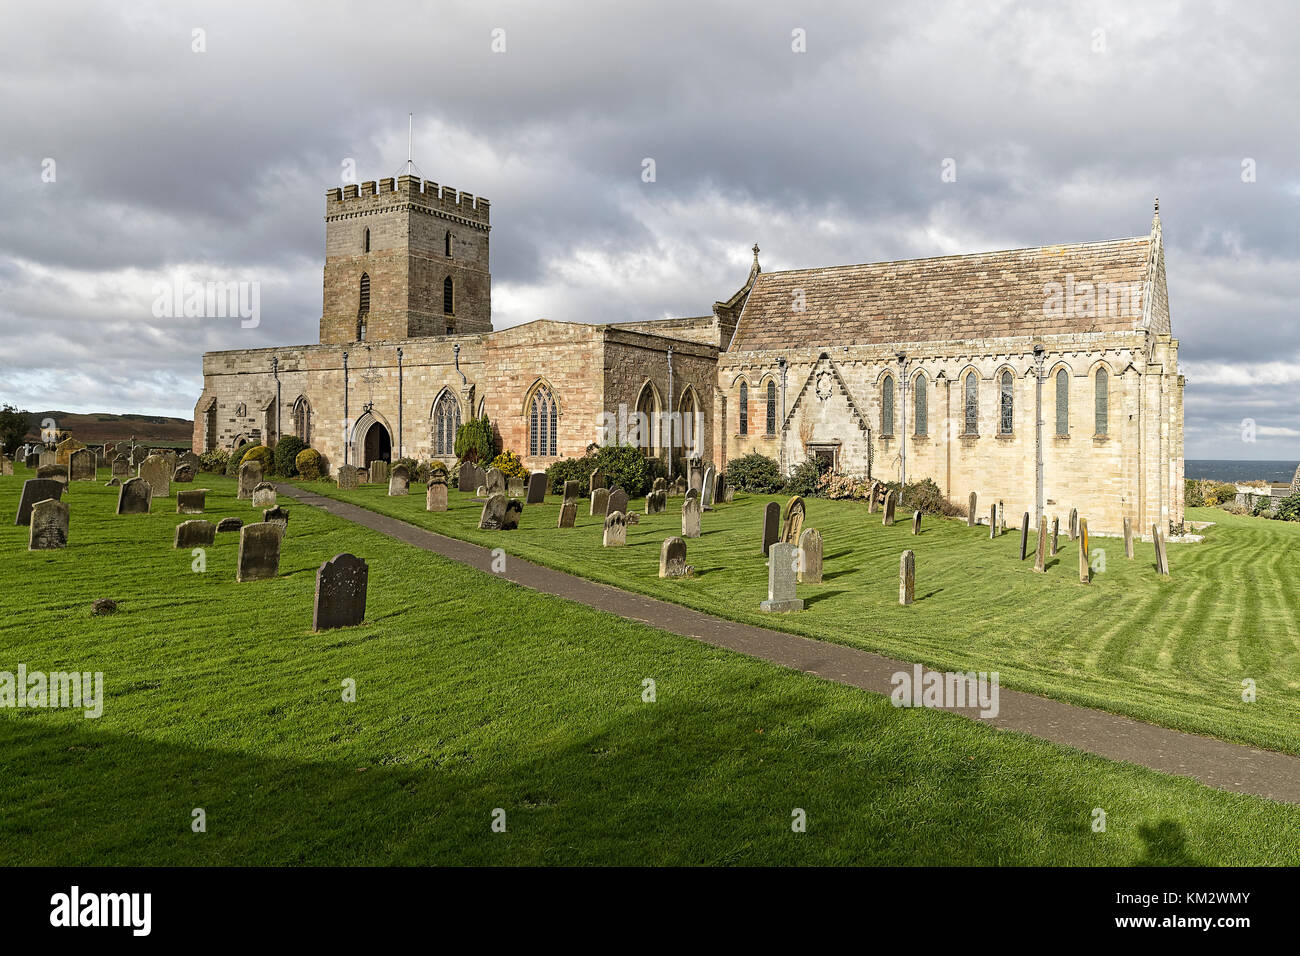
{"x": 404, "y": 259}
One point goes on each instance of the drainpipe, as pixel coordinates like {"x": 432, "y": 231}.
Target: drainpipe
{"x": 670, "y": 415}
{"x": 784, "y": 365}
{"x": 1039, "y": 357}
{"x": 399, "y": 402}
{"x": 275, "y": 370}
{"x": 346, "y": 441}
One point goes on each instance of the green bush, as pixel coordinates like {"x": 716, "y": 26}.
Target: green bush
{"x": 307, "y": 464}
{"x": 476, "y": 441}
{"x": 410, "y": 464}
{"x": 215, "y": 461}
{"x": 262, "y": 455}
{"x": 286, "y": 454}
{"x": 237, "y": 457}
{"x": 1192, "y": 495}
{"x": 625, "y": 467}
{"x": 926, "y": 497}
{"x": 570, "y": 469}
{"x": 806, "y": 478}
{"x": 509, "y": 464}
{"x": 755, "y": 473}
{"x": 1288, "y": 509}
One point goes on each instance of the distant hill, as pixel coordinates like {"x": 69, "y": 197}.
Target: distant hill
{"x": 98, "y": 427}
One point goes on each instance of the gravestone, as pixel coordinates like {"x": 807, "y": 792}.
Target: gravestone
{"x": 810, "y": 556}
{"x": 871, "y": 498}
{"x": 226, "y": 525}
{"x": 707, "y": 489}
{"x": 617, "y": 501}
{"x": 157, "y": 470}
{"x": 56, "y": 472}
{"x": 888, "y": 519}
{"x": 113, "y": 483}
{"x": 536, "y": 493}
{"x": 259, "y": 552}
{"x": 121, "y": 466}
{"x": 719, "y": 487}
{"x": 64, "y": 449}
{"x": 194, "y": 534}
{"x": 363, "y": 476}
{"x": 277, "y": 515}
{"x": 250, "y": 476}
{"x": 191, "y": 502}
{"x": 341, "y": 584}
{"x": 32, "y": 460}
{"x": 1083, "y": 551}
{"x": 615, "y": 535}
{"x": 970, "y": 511}
{"x": 184, "y": 474}
{"x": 264, "y": 495}
{"x": 679, "y": 487}
{"x": 347, "y": 478}
{"x": 138, "y": 454}
{"x": 49, "y": 525}
{"x": 695, "y": 480}
{"x": 771, "y": 526}
{"x": 134, "y": 497}
{"x": 1056, "y": 531}
{"x": 600, "y": 501}
{"x": 568, "y": 511}
{"x": 781, "y": 580}
{"x": 672, "y": 559}
{"x": 597, "y": 480}
{"x": 494, "y": 513}
{"x": 465, "y": 478}
{"x": 514, "y": 508}
{"x": 1024, "y": 535}
{"x": 993, "y": 522}
{"x": 481, "y": 492}
{"x": 515, "y": 487}
{"x": 571, "y": 491}
{"x": 907, "y": 578}
{"x": 656, "y": 503}
{"x": 792, "y": 527}
{"x": 191, "y": 460}
{"x": 81, "y": 465}
{"x": 691, "y": 517}
{"x": 6, "y": 466}
{"x": 494, "y": 481}
{"x": 1162, "y": 558}
{"x": 728, "y": 494}
{"x": 378, "y": 472}
{"x": 1002, "y": 517}
{"x": 435, "y": 496}
{"x": 1040, "y": 556}
{"x": 399, "y": 482}
{"x": 1074, "y": 523}
{"x": 916, "y": 522}
{"x": 47, "y": 457}
{"x": 659, "y": 484}
{"x": 1128, "y": 539}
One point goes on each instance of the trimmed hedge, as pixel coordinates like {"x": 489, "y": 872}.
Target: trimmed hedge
{"x": 307, "y": 464}
{"x": 284, "y": 461}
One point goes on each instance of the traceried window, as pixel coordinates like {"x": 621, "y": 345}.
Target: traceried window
{"x": 1103, "y": 401}
{"x": 887, "y": 406}
{"x": 972, "y": 403}
{"x": 744, "y": 408}
{"x": 302, "y": 420}
{"x": 1062, "y": 402}
{"x": 1006, "y": 409}
{"x": 771, "y": 408}
{"x": 448, "y": 296}
{"x": 920, "y": 407}
{"x": 363, "y": 303}
{"x": 446, "y": 419}
{"x": 542, "y": 422}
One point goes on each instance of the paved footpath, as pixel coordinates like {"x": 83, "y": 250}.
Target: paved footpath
{"x": 1228, "y": 766}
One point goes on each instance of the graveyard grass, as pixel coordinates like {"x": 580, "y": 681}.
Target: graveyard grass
{"x": 474, "y": 694}
{"x": 1166, "y": 650}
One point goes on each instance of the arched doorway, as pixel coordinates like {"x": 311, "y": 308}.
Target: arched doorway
{"x": 377, "y": 445}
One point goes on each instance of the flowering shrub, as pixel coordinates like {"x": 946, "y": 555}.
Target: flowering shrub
{"x": 510, "y": 465}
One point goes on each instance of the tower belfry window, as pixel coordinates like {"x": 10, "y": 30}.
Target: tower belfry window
{"x": 367, "y": 242}
{"x": 363, "y": 306}
{"x": 447, "y": 244}
{"x": 448, "y": 296}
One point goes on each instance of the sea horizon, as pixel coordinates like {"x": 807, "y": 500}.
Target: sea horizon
{"x": 1228, "y": 469}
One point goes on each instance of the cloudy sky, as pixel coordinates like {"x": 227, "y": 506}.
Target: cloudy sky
{"x": 1063, "y": 122}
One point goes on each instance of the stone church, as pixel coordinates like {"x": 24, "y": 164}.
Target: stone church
{"x": 1045, "y": 378}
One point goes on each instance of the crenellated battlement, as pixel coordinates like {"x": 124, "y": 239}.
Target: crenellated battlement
{"x": 426, "y": 194}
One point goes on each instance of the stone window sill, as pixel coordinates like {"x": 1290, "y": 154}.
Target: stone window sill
{"x": 1062, "y": 437}
{"x": 887, "y": 436}
{"x": 969, "y": 436}
{"x": 1101, "y": 438}
{"x": 1006, "y": 436}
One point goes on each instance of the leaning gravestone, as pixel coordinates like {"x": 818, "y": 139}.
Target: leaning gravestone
{"x": 1040, "y": 556}
{"x": 890, "y": 503}
{"x": 729, "y": 494}
{"x": 1024, "y": 536}
{"x": 264, "y": 495}
{"x": 1128, "y": 539}
{"x": 494, "y": 513}
{"x": 810, "y": 556}
{"x": 157, "y": 470}
{"x": 795, "y": 510}
{"x": 659, "y": 484}
{"x": 706, "y": 489}
{"x": 1056, "y": 531}
{"x": 568, "y": 511}
{"x": 771, "y": 526}
{"x": 679, "y": 487}
{"x": 515, "y": 487}
{"x": 134, "y": 497}
{"x": 907, "y": 578}
{"x": 226, "y": 525}
{"x": 57, "y": 472}
{"x": 113, "y": 482}
{"x": 184, "y": 474}
{"x": 494, "y": 481}
{"x": 600, "y": 501}
{"x": 191, "y": 502}
{"x": 672, "y": 559}
{"x": 781, "y": 580}
{"x": 34, "y": 490}
{"x": 191, "y": 460}
{"x": 81, "y": 465}
{"x": 121, "y": 466}
{"x": 399, "y": 482}
{"x": 970, "y": 511}
{"x": 1162, "y": 557}
{"x": 277, "y": 515}
{"x": 993, "y": 522}
{"x": 347, "y": 478}
{"x": 656, "y": 502}
{"x": 514, "y": 508}
{"x": 1074, "y": 523}
{"x": 916, "y": 522}
{"x": 570, "y": 491}
{"x": 435, "y": 496}
{"x": 691, "y": 517}
{"x": 1083, "y": 551}
{"x": 615, "y": 530}
{"x": 250, "y": 476}
{"x": 617, "y": 502}
{"x": 341, "y": 584}
{"x": 259, "y": 552}
{"x": 597, "y": 480}
{"x": 536, "y": 488}
{"x": 378, "y": 472}
{"x": 49, "y": 528}
{"x": 194, "y": 534}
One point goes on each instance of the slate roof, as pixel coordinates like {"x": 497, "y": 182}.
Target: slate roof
{"x": 984, "y": 295}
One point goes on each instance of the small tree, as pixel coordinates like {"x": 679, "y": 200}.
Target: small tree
{"x": 476, "y": 441}
{"x": 14, "y": 425}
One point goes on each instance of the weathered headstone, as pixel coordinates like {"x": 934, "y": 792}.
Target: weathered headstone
{"x": 659, "y": 484}
{"x": 495, "y": 481}
{"x": 56, "y": 472}
{"x": 1128, "y": 538}
{"x": 1162, "y": 557}
{"x": 494, "y": 513}
{"x": 781, "y": 580}
{"x": 6, "y": 466}
{"x": 399, "y": 482}
{"x": 191, "y": 502}
{"x": 34, "y": 490}
{"x": 250, "y": 476}
{"x": 719, "y": 487}
{"x": 1040, "y": 555}
{"x": 121, "y": 466}
{"x": 536, "y": 493}
{"x": 597, "y": 480}
{"x": 600, "y": 501}
{"x": 568, "y": 511}
{"x": 771, "y": 526}
{"x": 347, "y": 477}
{"x": 916, "y": 522}
{"x": 184, "y": 474}
{"x": 465, "y": 478}
{"x": 615, "y": 535}
{"x": 888, "y": 518}
{"x": 435, "y": 496}
{"x": 679, "y": 487}
{"x": 1056, "y": 533}
{"x": 1083, "y": 551}
{"x": 1024, "y": 536}
{"x": 341, "y": 584}
{"x": 672, "y": 559}
{"x": 810, "y": 556}
{"x": 138, "y": 454}
{"x": 707, "y": 489}
{"x": 113, "y": 482}
{"x": 515, "y": 487}
{"x": 49, "y": 525}
{"x": 47, "y": 457}
{"x": 259, "y": 551}
{"x": 1002, "y": 517}
{"x": 134, "y": 497}
{"x": 907, "y": 578}
{"x": 871, "y": 497}
{"x": 792, "y": 526}
{"x": 571, "y": 491}
{"x": 695, "y": 479}
{"x": 264, "y": 495}
{"x": 514, "y": 508}
{"x": 33, "y": 460}
{"x": 656, "y": 502}
{"x": 691, "y": 517}
{"x": 993, "y": 522}
{"x": 481, "y": 492}
{"x": 617, "y": 501}
{"x": 194, "y": 534}
{"x": 193, "y": 461}
{"x": 81, "y": 465}
{"x": 157, "y": 470}
{"x": 226, "y": 525}
{"x": 728, "y": 494}
{"x": 1074, "y": 523}
{"x": 277, "y": 515}
{"x": 970, "y": 511}
{"x": 64, "y": 449}
{"x": 378, "y": 472}
{"x": 363, "y": 476}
